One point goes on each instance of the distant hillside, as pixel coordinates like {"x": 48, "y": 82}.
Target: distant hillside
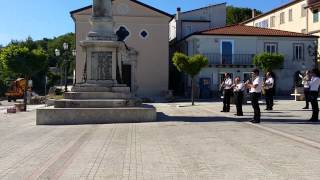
{"x": 237, "y": 15}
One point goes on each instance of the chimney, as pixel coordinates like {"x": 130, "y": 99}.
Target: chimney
{"x": 253, "y": 13}
{"x": 178, "y": 13}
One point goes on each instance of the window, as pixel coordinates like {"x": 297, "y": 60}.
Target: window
{"x": 122, "y": 33}
{"x": 298, "y": 51}
{"x": 290, "y": 15}
{"x": 144, "y": 34}
{"x": 271, "y": 48}
{"x": 282, "y": 18}
{"x": 315, "y": 15}
{"x": 272, "y": 21}
{"x": 303, "y": 10}
{"x": 263, "y": 24}
{"x": 188, "y": 30}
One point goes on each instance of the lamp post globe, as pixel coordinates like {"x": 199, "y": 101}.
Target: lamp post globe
{"x": 65, "y": 46}
{"x": 74, "y": 52}
{"x": 57, "y": 52}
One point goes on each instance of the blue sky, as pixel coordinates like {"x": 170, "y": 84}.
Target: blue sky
{"x": 48, "y": 18}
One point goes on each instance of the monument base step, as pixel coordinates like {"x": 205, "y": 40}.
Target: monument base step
{"x": 77, "y": 116}
{"x": 96, "y": 103}
{"x": 97, "y": 95}
{"x": 100, "y": 89}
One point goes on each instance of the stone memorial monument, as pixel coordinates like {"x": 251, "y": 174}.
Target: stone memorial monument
{"x": 99, "y": 98}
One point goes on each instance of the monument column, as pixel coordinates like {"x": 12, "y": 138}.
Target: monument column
{"x": 102, "y": 21}
{"x": 101, "y": 45}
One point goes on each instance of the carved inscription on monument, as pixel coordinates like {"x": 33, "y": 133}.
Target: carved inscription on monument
{"x": 101, "y": 65}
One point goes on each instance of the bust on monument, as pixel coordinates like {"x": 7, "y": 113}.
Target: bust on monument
{"x": 102, "y": 8}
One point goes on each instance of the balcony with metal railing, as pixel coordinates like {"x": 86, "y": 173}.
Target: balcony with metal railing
{"x": 234, "y": 59}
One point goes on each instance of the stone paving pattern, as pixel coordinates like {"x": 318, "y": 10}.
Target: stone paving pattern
{"x": 187, "y": 143}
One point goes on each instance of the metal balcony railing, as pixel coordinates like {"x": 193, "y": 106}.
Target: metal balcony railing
{"x": 234, "y": 59}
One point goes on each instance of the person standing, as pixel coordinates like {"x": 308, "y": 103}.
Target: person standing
{"x": 238, "y": 89}
{"x": 255, "y": 92}
{"x": 305, "y": 82}
{"x": 269, "y": 83}
{"x": 314, "y": 84}
{"x": 227, "y": 89}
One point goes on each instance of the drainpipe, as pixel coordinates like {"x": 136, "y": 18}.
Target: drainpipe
{"x": 307, "y": 23}
{"x": 178, "y": 24}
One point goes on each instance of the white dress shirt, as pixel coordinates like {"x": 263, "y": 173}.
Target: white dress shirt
{"x": 256, "y": 81}
{"x": 314, "y": 84}
{"x": 239, "y": 87}
{"x": 269, "y": 83}
{"x": 228, "y": 83}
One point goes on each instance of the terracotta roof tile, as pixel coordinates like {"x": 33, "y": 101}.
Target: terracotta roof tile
{"x": 242, "y": 30}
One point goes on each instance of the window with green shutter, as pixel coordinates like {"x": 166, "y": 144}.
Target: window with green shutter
{"x": 316, "y": 15}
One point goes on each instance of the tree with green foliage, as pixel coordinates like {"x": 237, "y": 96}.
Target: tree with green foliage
{"x": 191, "y": 66}
{"x": 23, "y": 62}
{"x": 268, "y": 62}
{"x": 236, "y": 15}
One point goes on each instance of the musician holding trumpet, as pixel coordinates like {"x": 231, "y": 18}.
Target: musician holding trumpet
{"x": 226, "y": 85}
{"x": 268, "y": 86}
{"x": 255, "y": 92}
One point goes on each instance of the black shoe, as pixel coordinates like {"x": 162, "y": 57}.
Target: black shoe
{"x": 223, "y": 111}
{"x": 313, "y": 120}
{"x": 305, "y": 108}
{"x": 255, "y": 121}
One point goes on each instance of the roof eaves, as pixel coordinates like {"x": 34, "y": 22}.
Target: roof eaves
{"x": 204, "y": 7}
{"x": 272, "y": 11}
{"x": 135, "y": 1}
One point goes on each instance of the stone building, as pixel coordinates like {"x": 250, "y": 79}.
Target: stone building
{"x": 144, "y": 30}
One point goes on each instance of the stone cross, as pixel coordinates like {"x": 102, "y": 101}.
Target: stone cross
{"x": 102, "y": 8}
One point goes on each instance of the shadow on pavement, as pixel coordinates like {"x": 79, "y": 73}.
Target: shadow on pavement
{"x": 163, "y": 118}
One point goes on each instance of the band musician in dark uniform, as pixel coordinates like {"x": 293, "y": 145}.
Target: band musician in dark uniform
{"x": 238, "y": 90}
{"x": 227, "y": 92}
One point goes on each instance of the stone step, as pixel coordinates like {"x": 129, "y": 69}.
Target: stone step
{"x": 92, "y": 103}
{"x": 100, "y": 89}
{"x": 73, "y": 116}
{"x": 96, "y": 95}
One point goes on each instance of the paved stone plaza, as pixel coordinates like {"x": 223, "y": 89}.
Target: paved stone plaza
{"x": 187, "y": 143}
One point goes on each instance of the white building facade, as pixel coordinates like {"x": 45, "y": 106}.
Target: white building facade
{"x": 232, "y": 49}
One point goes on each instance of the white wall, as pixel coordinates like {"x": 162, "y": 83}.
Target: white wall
{"x": 253, "y": 45}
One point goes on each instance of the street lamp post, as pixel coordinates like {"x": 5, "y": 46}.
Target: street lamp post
{"x": 66, "y": 62}
{"x": 313, "y": 51}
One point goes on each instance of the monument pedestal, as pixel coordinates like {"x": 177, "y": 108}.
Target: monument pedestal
{"x": 97, "y": 104}
{"x": 99, "y": 99}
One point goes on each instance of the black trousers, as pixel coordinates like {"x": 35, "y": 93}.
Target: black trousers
{"x": 255, "y": 104}
{"x": 226, "y": 100}
{"x": 238, "y": 99}
{"x": 307, "y": 96}
{"x": 313, "y": 96}
{"x": 269, "y": 98}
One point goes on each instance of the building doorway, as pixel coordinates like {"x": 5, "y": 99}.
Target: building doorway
{"x": 227, "y": 52}
{"x": 126, "y": 75}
